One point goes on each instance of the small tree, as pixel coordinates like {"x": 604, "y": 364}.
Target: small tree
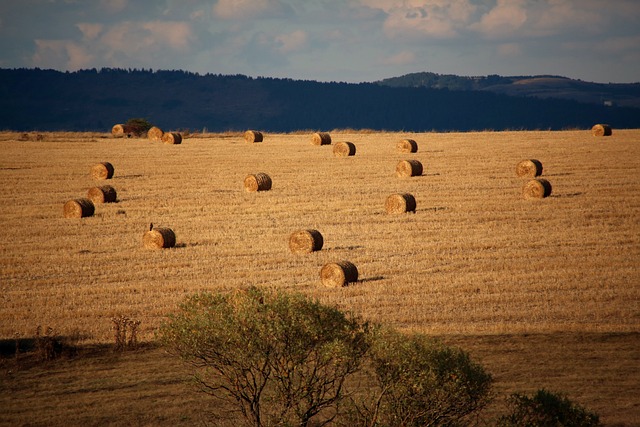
{"x": 421, "y": 382}
{"x": 137, "y": 126}
{"x": 546, "y": 409}
{"x": 280, "y": 359}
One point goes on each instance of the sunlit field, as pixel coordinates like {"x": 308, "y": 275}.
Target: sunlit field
{"x": 475, "y": 259}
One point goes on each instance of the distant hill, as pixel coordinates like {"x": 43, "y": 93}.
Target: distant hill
{"x": 610, "y": 94}
{"x": 95, "y": 100}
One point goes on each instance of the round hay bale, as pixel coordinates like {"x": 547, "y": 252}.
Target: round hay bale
{"x": 339, "y": 274}
{"x": 305, "y": 241}
{"x": 344, "y": 149}
{"x": 257, "y": 182}
{"x": 172, "y": 138}
{"x": 155, "y": 134}
{"x": 536, "y": 189}
{"x": 601, "y": 130}
{"x": 159, "y": 238}
{"x": 102, "y": 170}
{"x": 400, "y": 203}
{"x": 407, "y": 146}
{"x": 407, "y": 168}
{"x": 252, "y": 136}
{"x": 321, "y": 138}
{"x": 117, "y": 131}
{"x": 529, "y": 168}
{"x": 79, "y": 208}
{"x": 102, "y": 194}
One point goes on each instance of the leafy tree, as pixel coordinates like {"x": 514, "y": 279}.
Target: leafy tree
{"x": 421, "y": 382}
{"x": 279, "y": 359}
{"x": 137, "y": 126}
{"x": 546, "y": 409}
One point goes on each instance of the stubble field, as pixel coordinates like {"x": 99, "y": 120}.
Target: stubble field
{"x": 477, "y": 264}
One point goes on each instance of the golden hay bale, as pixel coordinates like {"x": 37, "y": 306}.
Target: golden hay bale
{"x": 252, "y": 136}
{"x": 321, "y": 138}
{"x": 339, "y": 274}
{"x": 601, "y": 130}
{"x": 102, "y": 170}
{"x": 400, "y": 203}
{"x": 103, "y": 194}
{"x": 536, "y": 189}
{"x": 529, "y": 168}
{"x": 305, "y": 241}
{"x": 172, "y": 138}
{"x": 257, "y": 182}
{"x": 117, "y": 131}
{"x": 159, "y": 238}
{"x": 407, "y": 146}
{"x": 155, "y": 134}
{"x": 406, "y": 168}
{"x": 79, "y": 208}
{"x": 344, "y": 149}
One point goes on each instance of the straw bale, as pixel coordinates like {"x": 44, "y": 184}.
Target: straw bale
{"x": 344, "y": 149}
{"x": 118, "y": 131}
{"x": 601, "y": 130}
{"x": 155, "y": 134}
{"x": 159, "y": 238}
{"x": 102, "y": 170}
{"x": 537, "y": 188}
{"x": 305, "y": 241}
{"x": 257, "y": 182}
{"x": 529, "y": 168}
{"x": 321, "y": 138}
{"x": 102, "y": 194}
{"x": 407, "y": 146}
{"x": 252, "y": 136}
{"x": 79, "y": 208}
{"x": 172, "y": 138}
{"x": 339, "y": 274}
{"x": 400, "y": 203}
{"x": 407, "y": 168}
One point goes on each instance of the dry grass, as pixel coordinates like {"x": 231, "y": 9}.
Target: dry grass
{"x": 475, "y": 259}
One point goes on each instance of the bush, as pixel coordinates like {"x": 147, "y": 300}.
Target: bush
{"x": 137, "y": 126}
{"x": 279, "y": 359}
{"x": 546, "y": 409}
{"x": 421, "y": 382}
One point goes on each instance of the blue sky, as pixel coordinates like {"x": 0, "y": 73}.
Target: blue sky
{"x": 328, "y": 40}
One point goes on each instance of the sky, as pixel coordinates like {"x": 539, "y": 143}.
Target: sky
{"x": 328, "y": 40}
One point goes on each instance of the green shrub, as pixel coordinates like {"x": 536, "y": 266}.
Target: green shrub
{"x": 421, "y": 382}
{"x": 546, "y": 409}
{"x": 137, "y": 126}
{"x": 279, "y": 359}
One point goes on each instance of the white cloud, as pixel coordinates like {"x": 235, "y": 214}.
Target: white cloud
{"x": 63, "y": 54}
{"x": 90, "y": 31}
{"x": 133, "y": 37}
{"x": 505, "y": 19}
{"x": 291, "y": 42}
{"x": 113, "y": 6}
{"x": 246, "y": 9}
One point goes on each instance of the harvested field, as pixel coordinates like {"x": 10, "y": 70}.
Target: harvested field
{"x": 476, "y": 259}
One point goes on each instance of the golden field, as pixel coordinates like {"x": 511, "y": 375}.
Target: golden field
{"x": 475, "y": 264}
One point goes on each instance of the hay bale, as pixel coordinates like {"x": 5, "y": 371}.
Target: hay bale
{"x": 305, "y": 241}
{"x": 339, "y": 274}
{"x": 159, "y": 238}
{"x": 400, "y": 203}
{"x": 407, "y": 146}
{"x": 321, "y": 138}
{"x": 407, "y": 168}
{"x": 257, "y": 182}
{"x": 252, "y": 136}
{"x": 601, "y": 130}
{"x": 79, "y": 208}
{"x": 117, "y": 131}
{"x": 155, "y": 134}
{"x": 102, "y": 170}
{"x": 344, "y": 149}
{"x": 529, "y": 168}
{"x": 172, "y": 138}
{"x": 102, "y": 194}
{"x": 536, "y": 189}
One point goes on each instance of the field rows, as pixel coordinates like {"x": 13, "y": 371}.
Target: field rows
{"x": 475, "y": 258}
